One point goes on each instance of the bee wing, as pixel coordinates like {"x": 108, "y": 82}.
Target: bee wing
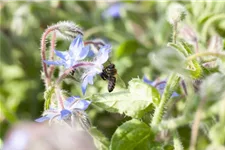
{"x": 120, "y": 81}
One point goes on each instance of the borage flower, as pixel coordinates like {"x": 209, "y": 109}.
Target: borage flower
{"x": 72, "y": 107}
{"x": 159, "y": 85}
{"x": 77, "y": 52}
{"x": 97, "y": 67}
{"x": 113, "y": 11}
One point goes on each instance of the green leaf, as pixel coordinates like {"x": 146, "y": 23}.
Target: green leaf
{"x": 48, "y": 96}
{"x": 183, "y": 47}
{"x": 134, "y": 102}
{"x": 8, "y": 114}
{"x": 6, "y": 49}
{"x": 127, "y": 48}
{"x": 101, "y": 142}
{"x": 144, "y": 145}
{"x": 129, "y": 135}
{"x": 195, "y": 69}
{"x": 217, "y": 134}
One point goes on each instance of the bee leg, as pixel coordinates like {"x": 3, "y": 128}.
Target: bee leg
{"x": 103, "y": 76}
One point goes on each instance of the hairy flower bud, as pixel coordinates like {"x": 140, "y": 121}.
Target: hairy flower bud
{"x": 68, "y": 30}
{"x": 175, "y": 13}
{"x": 188, "y": 34}
{"x": 215, "y": 45}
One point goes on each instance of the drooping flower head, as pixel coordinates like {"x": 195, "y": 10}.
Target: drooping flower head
{"x": 77, "y": 52}
{"x": 159, "y": 85}
{"x": 101, "y": 57}
{"x": 71, "y": 105}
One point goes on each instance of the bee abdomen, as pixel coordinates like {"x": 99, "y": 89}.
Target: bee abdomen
{"x": 111, "y": 83}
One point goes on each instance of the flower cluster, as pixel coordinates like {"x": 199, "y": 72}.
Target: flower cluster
{"x": 72, "y": 106}
{"x": 79, "y": 55}
{"x": 75, "y": 57}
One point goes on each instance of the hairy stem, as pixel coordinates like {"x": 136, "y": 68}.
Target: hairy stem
{"x": 176, "y": 141}
{"x": 43, "y": 53}
{"x": 175, "y": 33}
{"x": 51, "y": 57}
{"x": 170, "y": 87}
{"x": 220, "y": 55}
{"x": 59, "y": 97}
{"x": 195, "y": 125}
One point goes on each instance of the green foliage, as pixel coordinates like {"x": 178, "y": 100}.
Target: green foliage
{"x": 48, "y": 96}
{"x": 101, "y": 142}
{"x": 129, "y": 135}
{"x": 139, "y": 37}
{"x": 134, "y": 102}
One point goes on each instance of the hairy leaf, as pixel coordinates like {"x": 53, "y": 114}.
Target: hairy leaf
{"x": 129, "y": 135}
{"x": 133, "y": 102}
{"x": 101, "y": 142}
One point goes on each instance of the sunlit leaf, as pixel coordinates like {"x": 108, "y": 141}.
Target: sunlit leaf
{"x": 133, "y": 102}
{"x": 129, "y": 135}
{"x": 101, "y": 142}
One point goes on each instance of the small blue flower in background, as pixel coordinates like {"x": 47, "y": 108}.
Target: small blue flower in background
{"x": 77, "y": 52}
{"x": 113, "y": 11}
{"x": 101, "y": 57}
{"x": 70, "y": 104}
{"x": 159, "y": 85}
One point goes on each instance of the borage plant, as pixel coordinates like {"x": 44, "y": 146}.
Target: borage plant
{"x": 195, "y": 81}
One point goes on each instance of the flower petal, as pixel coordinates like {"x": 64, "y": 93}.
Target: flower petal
{"x": 76, "y": 46}
{"x": 42, "y": 119}
{"x": 61, "y": 54}
{"x": 113, "y": 11}
{"x": 175, "y": 94}
{"x": 161, "y": 86}
{"x": 148, "y": 81}
{"x": 57, "y": 63}
{"x": 83, "y": 53}
{"x": 65, "y": 114}
{"x": 70, "y": 100}
{"x": 84, "y": 85}
{"x": 81, "y": 104}
{"x": 87, "y": 79}
{"x": 103, "y": 54}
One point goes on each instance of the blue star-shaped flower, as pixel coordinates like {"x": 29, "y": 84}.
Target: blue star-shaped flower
{"x": 159, "y": 85}
{"x": 70, "y": 104}
{"x": 77, "y": 52}
{"x": 101, "y": 57}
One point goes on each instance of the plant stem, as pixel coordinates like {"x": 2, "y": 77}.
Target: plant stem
{"x": 43, "y": 53}
{"x": 59, "y": 97}
{"x": 51, "y": 57}
{"x": 170, "y": 87}
{"x": 195, "y": 125}
{"x": 176, "y": 141}
{"x": 174, "y": 123}
{"x": 175, "y": 33}
{"x": 220, "y": 55}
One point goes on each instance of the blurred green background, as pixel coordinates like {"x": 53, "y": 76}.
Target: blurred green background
{"x": 138, "y": 28}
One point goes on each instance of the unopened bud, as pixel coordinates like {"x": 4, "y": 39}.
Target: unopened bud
{"x": 175, "y": 13}
{"x": 188, "y": 34}
{"x": 68, "y": 30}
{"x": 215, "y": 45}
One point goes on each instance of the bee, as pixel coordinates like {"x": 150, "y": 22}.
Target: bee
{"x": 109, "y": 73}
